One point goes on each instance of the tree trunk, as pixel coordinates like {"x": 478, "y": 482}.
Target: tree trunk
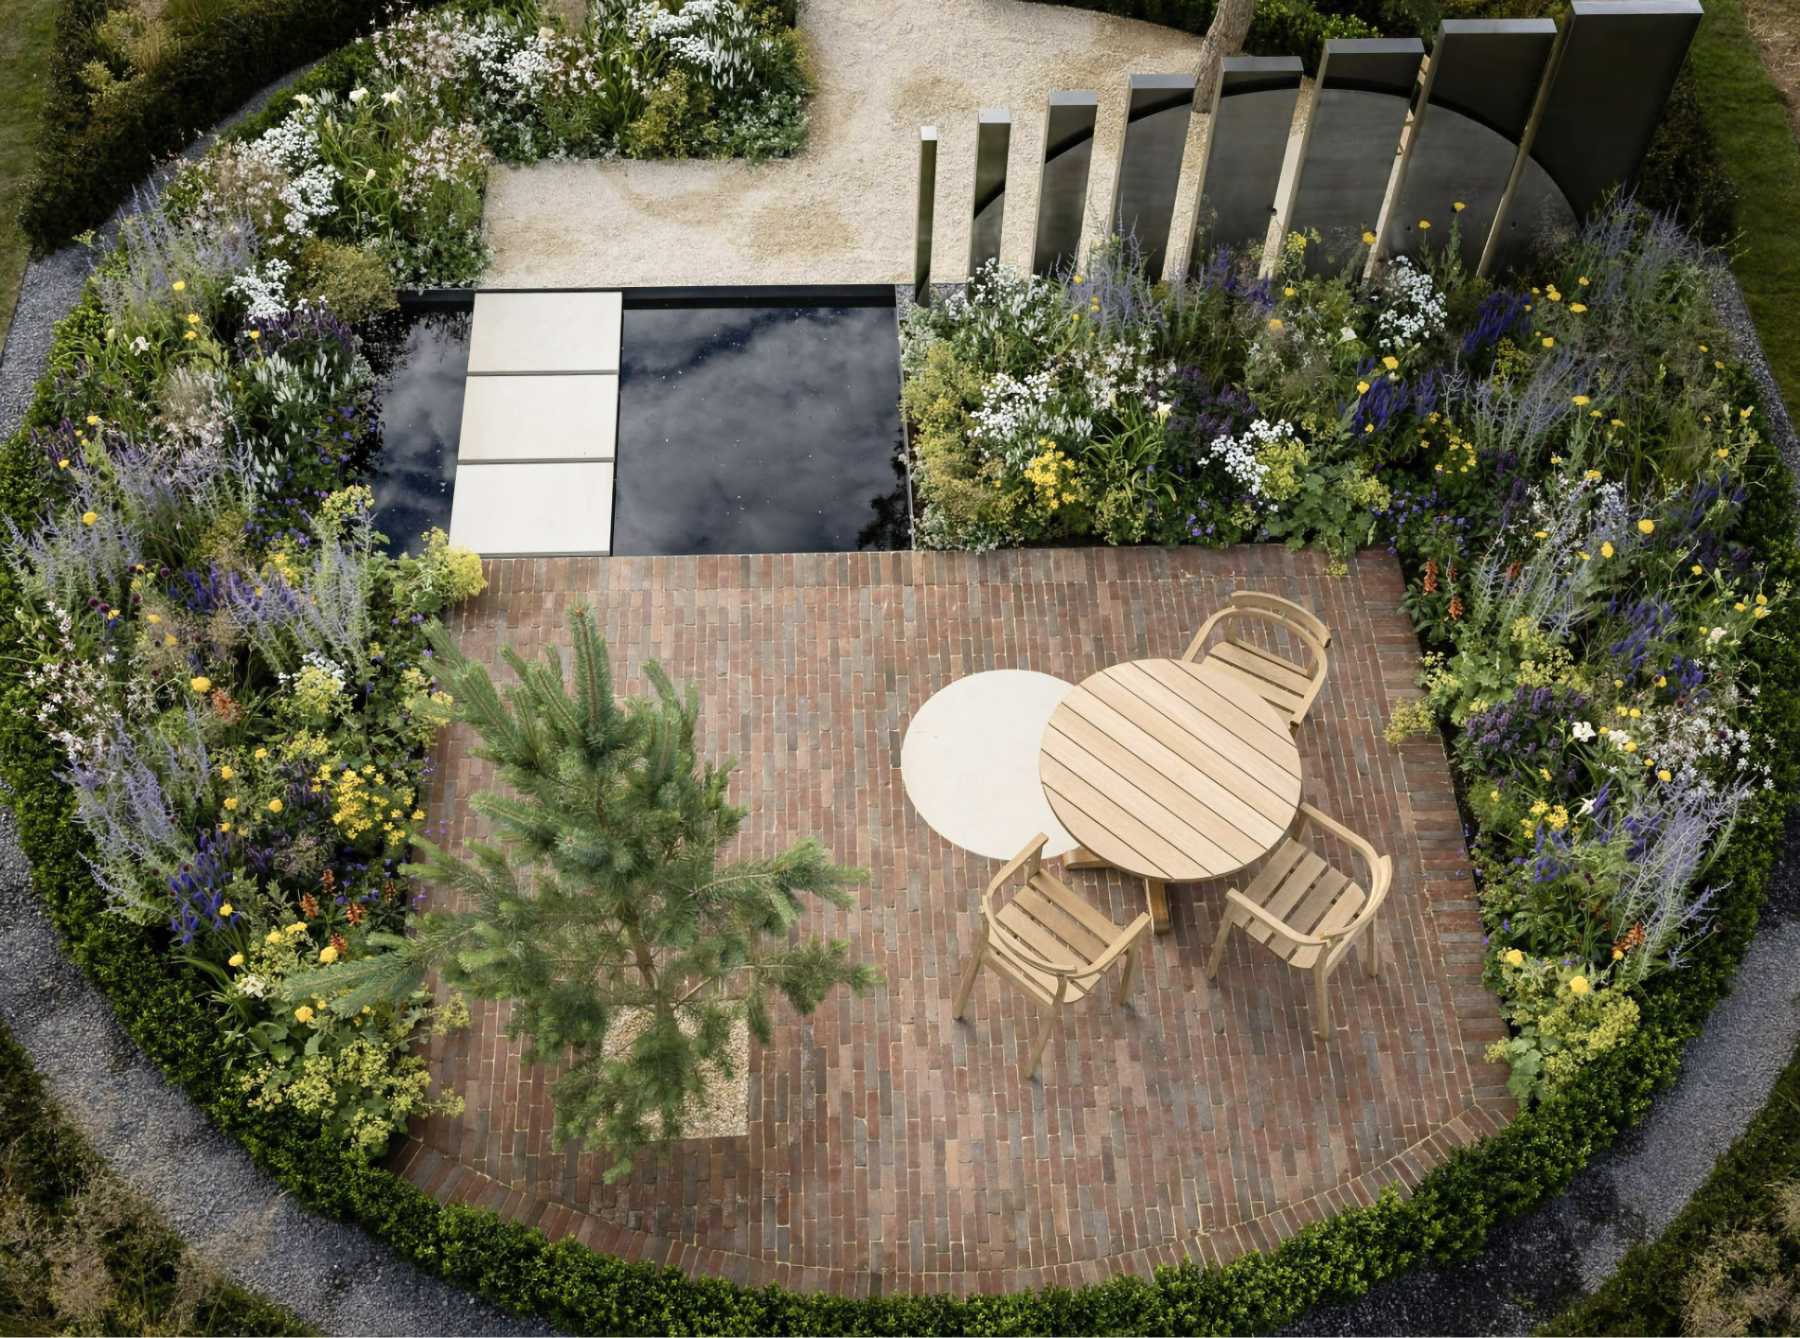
{"x": 1230, "y": 25}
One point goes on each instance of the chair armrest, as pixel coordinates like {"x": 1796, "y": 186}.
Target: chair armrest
{"x": 1193, "y": 651}
{"x": 1336, "y": 828}
{"x": 1016, "y": 863}
{"x": 1250, "y": 908}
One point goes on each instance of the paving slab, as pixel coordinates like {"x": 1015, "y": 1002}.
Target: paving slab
{"x": 545, "y": 332}
{"x": 556, "y": 508}
{"x": 531, "y": 418}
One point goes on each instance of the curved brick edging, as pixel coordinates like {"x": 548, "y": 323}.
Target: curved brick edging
{"x": 885, "y": 1153}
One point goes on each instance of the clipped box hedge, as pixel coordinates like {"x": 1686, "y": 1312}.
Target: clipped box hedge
{"x": 91, "y": 155}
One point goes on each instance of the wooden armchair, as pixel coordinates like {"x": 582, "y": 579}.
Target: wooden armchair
{"x": 1291, "y": 688}
{"x": 1049, "y": 942}
{"x": 1308, "y": 913}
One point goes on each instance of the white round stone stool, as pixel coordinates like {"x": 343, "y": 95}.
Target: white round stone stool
{"x": 970, "y": 762}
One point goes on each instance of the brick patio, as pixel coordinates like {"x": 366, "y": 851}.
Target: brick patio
{"x": 892, "y": 1149}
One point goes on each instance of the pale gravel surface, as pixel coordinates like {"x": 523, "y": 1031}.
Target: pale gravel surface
{"x": 842, "y": 210}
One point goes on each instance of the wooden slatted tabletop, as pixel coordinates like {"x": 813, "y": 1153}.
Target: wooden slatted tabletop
{"x": 1172, "y": 771}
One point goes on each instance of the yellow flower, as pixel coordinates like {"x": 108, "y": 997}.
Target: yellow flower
{"x": 1594, "y": 413}
{"x": 1618, "y": 422}
{"x": 1646, "y": 527}
{"x": 1368, "y": 239}
{"x": 153, "y": 618}
{"x": 1549, "y": 342}
{"x": 1424, "y": 223}
{"x": 274, "y": 806}
{"x": 1542, "y": 534}
{"x": 273, "y": 936}
{"x": 1593, "y": 473}
{"x": 226, "y": 772}
{"x": 1704, "y": 349}
{"x": 1515, "y": 958}
{"x": 169, "y": 640}
{"x": 1739, "y": 606}
{"x": 236, "y": 959}
{"x": 1578, "y": 985}
{"x": 418, "y": 816}
{"x": 1577, "y": 307}
{"x": 1617, "y": 954}
{"x": 1762, "y": 613}
{"x": 193, "y": 319}
{"x": 201, "y": 684}
{"x": 1635, "y": 713}
{"x": 1391, "y": 363}
{"x": 303, "y": 1014}
{"x": 180, "y": 285}
{"x": 1743, "y": 413}
{"x": 62, "y": 464}
{"x": 256, "y": 334}
{"x": 1662, "y": 681}
{"x": 1287, "y": 292}
{"x": 224, "y": 826}
{"x": 89, "y": 517}
{"x": 1459, "y": 206}
{"x": 1606, "y": 550}
{"x": 225, "y": 910}
{"x": 1665, "y": 776}
{"x": 1582, "y": 281}
{"x": 231, "y": 804}
{"x": 188, "y": 335}
{"x": 1762, "y": 599}
{"x": 1699, "y": 570}
{"x": 298, "y": 927}
{"x": 1275, "y": 324}
{"x": 1581, "y": 399}
{"x": 262, "y": 753}
{"x": 328, "y": 954}
{"x": 1631, "y": 747}
{"x": 1362, "y": 387}
{"x": 93, "y": 420}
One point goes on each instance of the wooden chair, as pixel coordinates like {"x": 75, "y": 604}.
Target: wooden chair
{"x": 1306, "y": 912}
{"x": 1291, "y": 688}
{"x": 1048, "y": 942}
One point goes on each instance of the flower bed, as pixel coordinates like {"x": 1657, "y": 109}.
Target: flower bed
{"x": 1563, "y": 468}
{"x": 212, "y": 732}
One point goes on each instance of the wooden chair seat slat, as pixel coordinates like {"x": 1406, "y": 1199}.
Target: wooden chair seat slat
{"x": 1290, "y": 687}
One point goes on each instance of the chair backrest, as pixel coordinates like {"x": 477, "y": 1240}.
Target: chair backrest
{"x": 1044, "y": 935}
{"x": 1306, "y": 618}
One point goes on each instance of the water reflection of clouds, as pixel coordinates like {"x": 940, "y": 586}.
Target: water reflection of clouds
{"x": 421, "y": 420}
{"x": 755, "y": 430}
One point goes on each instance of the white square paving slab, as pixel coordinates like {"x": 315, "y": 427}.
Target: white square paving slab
{"x": 519, "y": 418}
{"x": 512, "y": 510}
{"x": 545, "y": 332}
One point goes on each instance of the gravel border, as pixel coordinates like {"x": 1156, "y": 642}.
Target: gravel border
{"x": 210, "y": 1190}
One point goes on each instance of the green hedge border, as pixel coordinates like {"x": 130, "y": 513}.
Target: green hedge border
{"x": 90, "y": 158}
{"x": 573, "y": 1287}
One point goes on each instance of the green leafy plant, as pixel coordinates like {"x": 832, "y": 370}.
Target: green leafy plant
{"x": 610, "y": 902}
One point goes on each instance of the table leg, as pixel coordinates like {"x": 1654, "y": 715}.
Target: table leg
{"x": 1083, "y": 858}
{"x": 1159, "y": 904}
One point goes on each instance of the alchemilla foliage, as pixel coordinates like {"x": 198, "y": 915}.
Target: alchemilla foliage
{"x": 1562, "y": 467}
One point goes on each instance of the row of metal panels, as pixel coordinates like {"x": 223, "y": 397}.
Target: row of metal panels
{"x": 1508, "y": 128}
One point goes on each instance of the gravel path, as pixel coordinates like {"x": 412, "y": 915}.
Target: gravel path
{"x": 843, "y": 209}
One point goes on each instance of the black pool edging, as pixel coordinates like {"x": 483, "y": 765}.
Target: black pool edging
{"x": 755, "y": 295}
{"x": 437, "y": 299}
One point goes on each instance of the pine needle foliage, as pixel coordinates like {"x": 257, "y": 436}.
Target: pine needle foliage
{"x": 606, "y": 892}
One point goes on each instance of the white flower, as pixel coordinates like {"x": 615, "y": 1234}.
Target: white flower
{"x": 141, "y": 344}
{"x": 1716, "y": 635}
{"x": 358, "y": 94}
{"x": 371, "y": 175}
{"x": 251, "y": 986}
{"x": 545, "y": 34}
{"x": 1582, "y": 730}
{"x": 303, "y": 100}
{"x": 1619, "y": 738}
{"x": 1346, "y": 335}
{"x": 391, "y": 97}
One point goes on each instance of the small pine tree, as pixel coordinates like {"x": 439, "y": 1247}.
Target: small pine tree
{"x": 609, "y": 895}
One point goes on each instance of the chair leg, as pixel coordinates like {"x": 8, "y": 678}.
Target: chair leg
{"x": 1218, "y": 953}
{"x": 969, "y": 973}
{"x": 1322, "y": 1019}
{"x": 1372, "y": 941}
{"x": 1047, "y": 1026}
{"x": 1131, "y": 961}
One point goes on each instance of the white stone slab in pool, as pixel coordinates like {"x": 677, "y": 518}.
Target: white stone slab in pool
{"x": 559, "y": 509}
{"x": 520, "y": 418}
{"x": 545, "y": 332}
{"x": 970, "y": 762}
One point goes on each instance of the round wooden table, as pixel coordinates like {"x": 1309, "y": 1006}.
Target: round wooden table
{"x": 1171, "y": 771}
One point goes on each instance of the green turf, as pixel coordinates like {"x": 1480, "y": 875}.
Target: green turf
{"x": 1750, "y": 125}
{"x": 24, "y": 53}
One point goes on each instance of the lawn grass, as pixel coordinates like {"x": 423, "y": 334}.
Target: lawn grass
{"x": 1749, "y": 122}
{"x": 24, "y": 56}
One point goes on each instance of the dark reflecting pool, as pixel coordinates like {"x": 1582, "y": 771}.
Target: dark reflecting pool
{"x": 759, "y": 429}
{"x": 421, "y": 356}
